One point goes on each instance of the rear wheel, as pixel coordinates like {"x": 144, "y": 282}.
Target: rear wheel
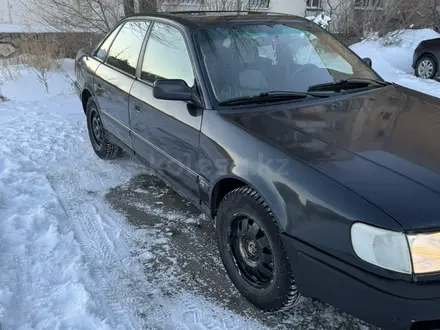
{"x": 98, "y": 135}
{"x": 426, "y": 67}
{"x": 252, "y": 251}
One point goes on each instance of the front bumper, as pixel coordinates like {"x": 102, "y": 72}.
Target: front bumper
{"x": 386, "y": 303}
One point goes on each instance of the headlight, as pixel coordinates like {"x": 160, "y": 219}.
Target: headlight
{"x": 383, "y": 248}
{"x": 425, "y": 251}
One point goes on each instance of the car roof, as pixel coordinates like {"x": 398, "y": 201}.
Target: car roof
{"x": 198, "y": 19}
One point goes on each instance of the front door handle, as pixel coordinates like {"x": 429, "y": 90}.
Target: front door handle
{"x": 99, "y": 90}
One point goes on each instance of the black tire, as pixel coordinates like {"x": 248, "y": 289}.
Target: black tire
{"x": 422, "y": 67}
{"x": 102, "y": 147}
{"x": 273, "y": 292}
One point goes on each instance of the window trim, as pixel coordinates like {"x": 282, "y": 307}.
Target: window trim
{"x": 200, "y": 80}
{"x": 144, "y": 50}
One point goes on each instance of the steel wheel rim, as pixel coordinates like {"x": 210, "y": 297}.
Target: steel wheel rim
{"x": 97, "y": 128}
{"x": 251, "y": 251}
{"x": 426, "y": 69}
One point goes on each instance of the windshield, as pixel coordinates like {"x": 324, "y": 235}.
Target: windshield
{"x": 245, "y": 60}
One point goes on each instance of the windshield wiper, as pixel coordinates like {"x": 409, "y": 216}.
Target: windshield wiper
{"x": 273, "y": 96}
{"x": 346, "y": 84}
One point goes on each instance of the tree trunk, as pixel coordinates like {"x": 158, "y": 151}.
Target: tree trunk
{"x": 128, "y": 7}
{"x": 147, "y": 6}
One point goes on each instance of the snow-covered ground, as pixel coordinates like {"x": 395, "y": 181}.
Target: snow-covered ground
{"x": 394, "y": 63}
{"x": 65, "y": 255}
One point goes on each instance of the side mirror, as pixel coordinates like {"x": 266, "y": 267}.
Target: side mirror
{"x": 368, "y": 61}
{"x": 172, "y": 89}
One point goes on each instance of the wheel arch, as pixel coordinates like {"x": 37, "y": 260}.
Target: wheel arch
{"x": 271, "y": 196}
{"x": 427, "y": 53}
{"x": 85, "y": 96}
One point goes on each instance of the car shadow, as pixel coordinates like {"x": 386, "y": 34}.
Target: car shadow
{"x": 177, "y": 247}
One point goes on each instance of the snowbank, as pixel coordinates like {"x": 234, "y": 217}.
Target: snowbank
{"x": 401, "y": 54}
{"x": 394, "y": 63}
{"x": 46, "y": 274}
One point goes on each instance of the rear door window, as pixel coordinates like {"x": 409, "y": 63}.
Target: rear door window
{"x": 125, "y": 51}
{"x": 102, "y": 52}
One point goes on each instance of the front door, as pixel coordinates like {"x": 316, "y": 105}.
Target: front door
{"x": 115, "y": 77}
{"x": 166, "y": 133}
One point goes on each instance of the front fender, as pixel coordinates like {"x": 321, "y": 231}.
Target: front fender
{"x": 307, "y": 204}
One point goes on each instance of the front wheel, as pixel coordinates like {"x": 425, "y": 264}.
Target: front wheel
{"x": 252, "y": 251}
{"x": 426, "y": 67}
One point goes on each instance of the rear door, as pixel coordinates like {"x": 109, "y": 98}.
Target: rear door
{"x": 114, "y": 78}
{"x": 166, "y": 133}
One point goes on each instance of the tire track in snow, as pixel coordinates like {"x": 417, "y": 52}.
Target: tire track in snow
{"x": 81, "y": 216}
{"x": 34, "y": 250}
{"x": 102, "y": 261}
{"x": 115, "y": 303}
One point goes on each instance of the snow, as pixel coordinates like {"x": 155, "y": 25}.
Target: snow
{"x": 394, "y": 62}
{"x": 321, "y": 19}
{"x": 24, "y": 79}
{"x": 66, "y": 257}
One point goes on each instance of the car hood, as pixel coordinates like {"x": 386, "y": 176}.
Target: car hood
{"x": 383, "y": 144}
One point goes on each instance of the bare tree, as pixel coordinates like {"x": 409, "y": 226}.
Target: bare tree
{"x": 396, "y": 15}
{"x": 128, "y": 7}
{"x": 333, "y": 6}
{"x": 427, "y": 15}
{"x": 366, "y": 18}
{"x": 90, "y": 15}
{"x": 43, "y": 63}
{"x": 77, "y": 15}
{"x": 333, "y": 9}
{"x": 147, "y": 6}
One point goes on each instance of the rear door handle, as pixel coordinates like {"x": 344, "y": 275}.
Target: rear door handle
{"x": 137, "y": 107}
